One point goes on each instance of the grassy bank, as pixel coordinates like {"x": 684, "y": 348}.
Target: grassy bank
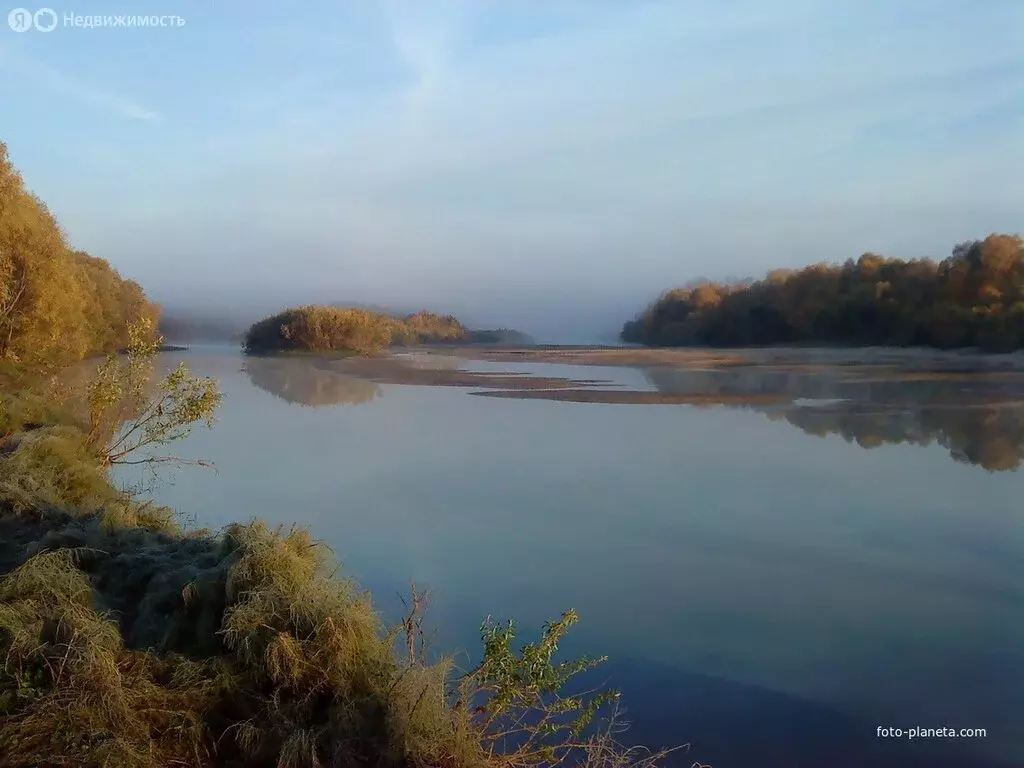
{"x": 128, "y": 641}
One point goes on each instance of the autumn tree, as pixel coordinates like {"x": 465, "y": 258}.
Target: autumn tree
{"x": 973, "y": 298}
{"x": 56, "y": 305}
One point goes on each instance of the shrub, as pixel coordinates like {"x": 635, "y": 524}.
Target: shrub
{"x": 429, "y": 328}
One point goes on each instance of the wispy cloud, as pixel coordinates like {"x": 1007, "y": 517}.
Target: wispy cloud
{"x": 60, "y": 84}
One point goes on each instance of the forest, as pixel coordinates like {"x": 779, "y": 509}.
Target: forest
{"x": 56, "y": 304}
{"x": 973, "y": 298}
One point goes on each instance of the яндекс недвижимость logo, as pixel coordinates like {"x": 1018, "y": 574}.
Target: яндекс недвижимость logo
{"x": 22, "y": 19}
{"x": 47, "y": 20}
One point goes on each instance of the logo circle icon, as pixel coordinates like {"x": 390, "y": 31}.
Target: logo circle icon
{"x": 45, "y": 19}
{"x": 20, "y": 19}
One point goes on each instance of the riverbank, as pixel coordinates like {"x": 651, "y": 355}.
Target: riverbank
{"x": 129, "y": 640}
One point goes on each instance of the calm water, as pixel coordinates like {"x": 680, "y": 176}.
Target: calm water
{"x": 768, "y": 589}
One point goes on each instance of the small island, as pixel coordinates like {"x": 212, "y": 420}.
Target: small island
{"x": 354, "y": 330}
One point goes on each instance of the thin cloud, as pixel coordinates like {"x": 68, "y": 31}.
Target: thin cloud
{"x": 61, "y": 84}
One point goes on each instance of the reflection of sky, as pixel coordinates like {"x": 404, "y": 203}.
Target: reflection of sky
{"x": 883, "y": 583}
{"x": 614, "y": 376}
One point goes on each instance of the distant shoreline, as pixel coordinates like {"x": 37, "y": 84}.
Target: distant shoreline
{"x": 912, "y": 358}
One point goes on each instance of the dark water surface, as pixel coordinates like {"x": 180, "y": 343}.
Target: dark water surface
{"x": 768, "y": 589}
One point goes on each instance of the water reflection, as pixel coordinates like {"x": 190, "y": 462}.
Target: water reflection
{"x": 309, "y": 382}
{"x": 979, "y": 419}
{"x": 771, "y": 606}
{"x": 430, "y": 361}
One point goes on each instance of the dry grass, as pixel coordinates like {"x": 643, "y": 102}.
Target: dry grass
{"x": 129, "y": 642}
{"x": 72, "y": 694}
{"x": 126, "y": 645}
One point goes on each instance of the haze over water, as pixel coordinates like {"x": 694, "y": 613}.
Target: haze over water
{"x": 767, "y": 595}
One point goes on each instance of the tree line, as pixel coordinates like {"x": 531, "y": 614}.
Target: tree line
{"x": 973, "y": 298}
{"x": 57, "y": 304}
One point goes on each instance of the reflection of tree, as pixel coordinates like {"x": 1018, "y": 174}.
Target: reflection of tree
{"x": 976, "y": 420}
{"x": 991, "y": 437}
{"x": 308, "y": 381}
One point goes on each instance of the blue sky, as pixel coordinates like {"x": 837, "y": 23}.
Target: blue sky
{"x": 541, "y": 163}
